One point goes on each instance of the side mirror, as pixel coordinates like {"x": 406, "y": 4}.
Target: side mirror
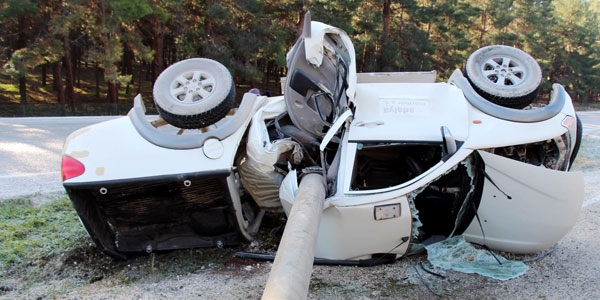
{"x": 448, "y": 142}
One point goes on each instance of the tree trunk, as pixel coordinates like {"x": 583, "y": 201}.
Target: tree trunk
{"x": 140, "y": 77}
{"x": 113, "y": 92}
{"x": 387, "y": 13}
{"x": 60, "y": 95}
{"x": 97, "y": 71}
{"x": 77, "y": 65}
{"x": 157, "y": 45}
{"x": 44, "y": 75}
{"x": 483, "y": 27}
{"x": 127, "y": 67}
{"x": 21, "y": 43}
{"x": 70, "y": 91}
{"x": 56, "y": 80}
{"x": 23, "y": 94}
{"x": 385, "y": 39}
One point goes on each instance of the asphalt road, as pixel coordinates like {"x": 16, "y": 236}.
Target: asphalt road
{"x": 30, "y": 150}
{"x": 591, "y": 123}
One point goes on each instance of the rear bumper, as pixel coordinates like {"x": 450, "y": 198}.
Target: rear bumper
{"x": 157, "y": 213}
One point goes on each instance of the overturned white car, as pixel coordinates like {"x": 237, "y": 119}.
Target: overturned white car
{"x": 405, "y": 160}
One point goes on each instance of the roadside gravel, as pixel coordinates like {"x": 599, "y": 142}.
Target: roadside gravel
{"x": 570, "y": 271}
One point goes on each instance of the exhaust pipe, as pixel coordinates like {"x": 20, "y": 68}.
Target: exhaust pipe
{"x": 292, "y": 268}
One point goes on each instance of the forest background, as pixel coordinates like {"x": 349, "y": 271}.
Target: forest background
{"x": 82, "y": 57}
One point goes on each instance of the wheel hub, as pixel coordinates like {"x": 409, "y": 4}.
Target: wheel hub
{"x": 503, "y": 71}
{"x": 192, "y": 87}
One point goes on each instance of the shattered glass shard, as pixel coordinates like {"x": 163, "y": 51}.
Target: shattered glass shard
{"x": 456, "y": 254}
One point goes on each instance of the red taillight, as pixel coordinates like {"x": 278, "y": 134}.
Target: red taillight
{"x": 71, "y": 168}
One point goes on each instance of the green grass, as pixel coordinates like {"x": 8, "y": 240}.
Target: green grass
{"x": 29, "y": 233}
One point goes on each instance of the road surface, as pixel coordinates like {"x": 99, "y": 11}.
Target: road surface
{"x": 591, "y": 123}
{"x": 30, "y": 151}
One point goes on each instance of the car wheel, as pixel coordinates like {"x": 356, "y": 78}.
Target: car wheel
{"x": 504, "y": 75}
{"x": 194, "y": 93}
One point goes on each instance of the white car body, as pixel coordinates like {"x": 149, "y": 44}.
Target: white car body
{"x": 521, "y": 207}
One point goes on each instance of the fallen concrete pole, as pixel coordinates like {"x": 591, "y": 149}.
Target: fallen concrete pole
{"x": 292, "y": 268}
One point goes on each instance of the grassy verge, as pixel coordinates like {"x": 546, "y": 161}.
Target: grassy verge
{"x": 40, "y": 244}
{"x": 31, "y": 233}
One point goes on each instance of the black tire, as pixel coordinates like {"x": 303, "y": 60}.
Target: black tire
{"x": 194, "y": 93}
{"x": 504, "y": 75}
